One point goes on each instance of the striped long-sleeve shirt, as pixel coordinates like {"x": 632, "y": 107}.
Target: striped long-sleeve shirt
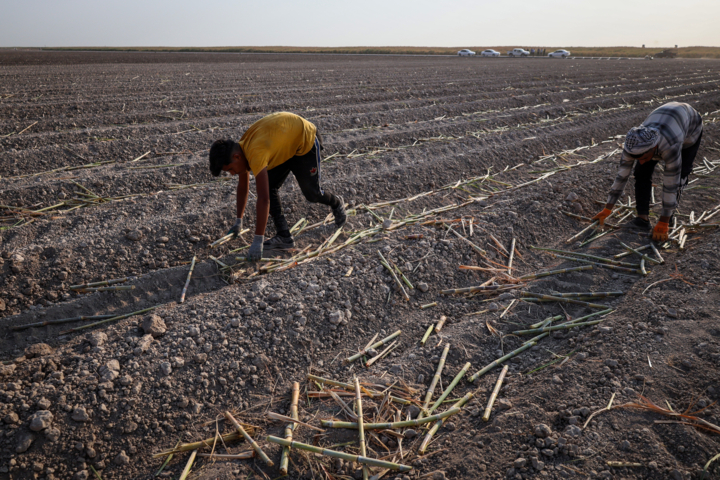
{"x": 680, "y": 126}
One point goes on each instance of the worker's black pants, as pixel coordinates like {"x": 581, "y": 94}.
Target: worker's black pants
{"x": 306, "y": 169}
{"x": 643, "y": 177}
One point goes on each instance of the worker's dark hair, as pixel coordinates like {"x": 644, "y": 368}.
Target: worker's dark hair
{"x": 220, "y": 155}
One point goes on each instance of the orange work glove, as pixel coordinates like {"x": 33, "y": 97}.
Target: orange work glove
{"x": 600, "y": 217}
{"x": 660, "y": 232}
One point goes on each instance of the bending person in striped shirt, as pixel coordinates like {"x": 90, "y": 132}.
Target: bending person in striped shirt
{"x": 671, "y": 133}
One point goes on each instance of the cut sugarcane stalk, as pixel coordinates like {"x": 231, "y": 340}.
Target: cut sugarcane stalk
{"x": 657, "y": 253}
{"x": 371, "y": 462}
{"x": 500, "y": 360}
{"x": 625, "y": 254}
{"x": 436, "y": 377}
{"x": 512, "y": 255}
{"x": 563, "y": 326}
{"x": 427, "y": 334}
{"x": 188, "y": 466}
{"x": 62, "y": 320}
{"x": 119, "y": 317}
{"x": 114, "y": 288}
{"x": 472, "y": 245}
{"x": 582, "y": 232}
{"x": 562, "y": 299}
{"x": 555, "y": 272}
{"x": 104, "y": 283}
{"x": 428, "y": 436}
{"x": 347, "y": 386}
{"x": 496, "y": 390}
{"x": 590, "y": 294}
{"x": 449, "y": 388}
{"x": 441, "y": 323}
{"x": 221, "y": 456}
{"x": 601, "y": 265}
{"x": 290, "y": 428}
{"x": 479, "y": 288}
{"x": 543, "y": 328}
{"x": 382, "y": 354}
{"x": 187, "y": 282}
{"x": 391, "y": 425}
{"x": 360, "y": 420}
{"x": 642, "y": 255}
{"x": 249, "y": 439}
{"x": 283, "y": 418}
{"x": 392, "y": 272}
{"x": 374, "y": 346}
{"x": 204, "y": 443}
{"x": 592, "y": 239}
{"x": 585, "y": 255}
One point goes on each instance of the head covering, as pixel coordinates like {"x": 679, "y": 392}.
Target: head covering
{"x": 641, "y": 139}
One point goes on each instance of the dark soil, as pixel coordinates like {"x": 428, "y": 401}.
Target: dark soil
{"x": 393, "y": 127}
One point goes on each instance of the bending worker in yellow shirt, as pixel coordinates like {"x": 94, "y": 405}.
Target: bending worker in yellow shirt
{"x": 271, "y": 148}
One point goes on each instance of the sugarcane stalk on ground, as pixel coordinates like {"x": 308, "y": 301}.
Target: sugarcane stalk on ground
{"x": 436, "y": 377}
{"x": 441, "y": 323}
{"x": 585, "y": 255}
{"x": 534, "y": 276}
{"x": 512, "y": 254}
{"x": 427, "y": 334}
{"x": 392, "y": 272}
{"x": 642, "y": 255}
{"x": 601, "y": 265}
{"x": 347, "y": 386}
{"x": 625, "y": 254}
{"x": 479, "y": 288}
{"x": 496, "y": 390}
{"x": 500, "y": 360}
{"x": 569, "y": 324}
{"x": 290, "y": 428}
{"x": 188, "y": 466}
{"x": 371, "y": 462}
{"x": 111, "y": 319}
{"x": 589, "y": 294}
{"x": 657, "y": 253}
{"x": 114, "y": 288}
{"x": 426, "y": 441}
{"x": 449, "y": 388}
{"x": 372, "y": 347}
{"x": 61, "y": 320}
{"x": 390, "y": 425}
{"x": 104, "y": 283}
{"x": 382, "y": 354}
{"x": 361, "y": 430}
{"x": 581, "y": 232}
{"x": 220, "y": 456}
{"x": 228, "y": 437}
{"x": 249, "y": 439}
{"x": 562, "y": 299}
{"x": 187, "y": 282}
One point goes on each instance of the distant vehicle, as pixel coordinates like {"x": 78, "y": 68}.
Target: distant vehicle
{"x": 518, "y": 52}
{"x": 559, "y": 53}
{"x": 490, "y": 53}
{"x": 466, "y": 53}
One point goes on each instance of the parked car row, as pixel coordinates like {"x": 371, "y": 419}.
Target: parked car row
{"x": 515, "y": 52}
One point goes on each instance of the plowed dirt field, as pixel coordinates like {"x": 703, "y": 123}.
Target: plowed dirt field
{"x": 442, "y": 162}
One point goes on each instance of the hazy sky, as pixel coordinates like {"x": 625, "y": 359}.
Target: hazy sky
{"x": 558, "y": 23}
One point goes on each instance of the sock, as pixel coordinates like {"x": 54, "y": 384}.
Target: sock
{"x": 284, "y": 234}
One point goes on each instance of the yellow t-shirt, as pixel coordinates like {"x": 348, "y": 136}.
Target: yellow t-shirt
{"x": 275, "y": 139}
